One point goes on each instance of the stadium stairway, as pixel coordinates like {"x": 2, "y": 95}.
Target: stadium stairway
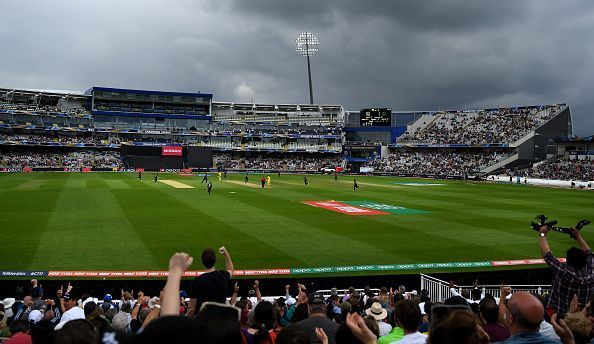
{"x": 523, "y": 139}
{"x": 421, "y": 123}
{"x": 500, "y": 164}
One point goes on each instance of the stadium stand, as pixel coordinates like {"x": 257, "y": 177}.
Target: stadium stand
{"x": 438, "y": 162}
{"x": 481, "y": 126}
{"x": 434, "y": 143}
{"x": 562, "y": 169}
{"x": 70, "y": 160}
{"x": 296, "y": 162}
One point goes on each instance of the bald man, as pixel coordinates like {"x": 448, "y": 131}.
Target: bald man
{"x": 523, "y": 316}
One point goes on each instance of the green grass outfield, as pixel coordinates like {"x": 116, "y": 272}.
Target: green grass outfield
{"x": 113, "y": 221}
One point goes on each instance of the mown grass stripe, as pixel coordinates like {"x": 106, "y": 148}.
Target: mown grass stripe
{"x": 90, "y": 231}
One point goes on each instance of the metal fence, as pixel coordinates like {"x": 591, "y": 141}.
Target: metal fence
{"x": 439, "y": 290}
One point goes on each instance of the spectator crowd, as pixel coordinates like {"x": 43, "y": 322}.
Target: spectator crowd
{"x": 563, "y": 169}
{"x": 213, "y": 312}
{"x": 68, "y": 139}
{"x": 501, "y": 126}
{"x": 293, "y": 162}
{"x": 80, "y": 159}
{"x": 438, "y": 162}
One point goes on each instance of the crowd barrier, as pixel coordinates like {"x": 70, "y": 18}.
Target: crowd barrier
{"x": 542, "y": 182}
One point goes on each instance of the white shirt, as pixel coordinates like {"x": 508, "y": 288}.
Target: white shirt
{"x": 71, "y": 314}
{"x": 384, "y": 328}
{"x": 470, "y": 301}
{"x": 547, "y": 330}
{"x": 413, "y": 338}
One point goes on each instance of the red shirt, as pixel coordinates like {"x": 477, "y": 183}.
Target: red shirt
{"x": 20, "y": 338}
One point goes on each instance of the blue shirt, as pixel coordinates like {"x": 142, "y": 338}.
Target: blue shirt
{"x": 530, "y": 338}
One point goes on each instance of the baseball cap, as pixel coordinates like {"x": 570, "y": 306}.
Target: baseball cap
{"x": 35, "y": 316}
{"x": 315, "y": 299}
{"x": 70, "y": 296}
{"x": 107, "y": 297}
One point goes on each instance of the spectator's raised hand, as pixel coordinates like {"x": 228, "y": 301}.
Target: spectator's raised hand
{"x": 574, "y": 305}
{"x": 359, "y": 329}
{"x": 180, "y": 262}
{"x": 505, "y": 291}
{"x": 562, "y": 330}
{"x": 302, "y": 299}
{"x": 321, "y": 335}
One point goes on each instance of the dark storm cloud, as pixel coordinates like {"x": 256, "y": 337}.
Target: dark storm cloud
{"x": 409, "y": 55}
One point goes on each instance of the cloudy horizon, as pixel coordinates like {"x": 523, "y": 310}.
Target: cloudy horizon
{"x": 420, "y": 55}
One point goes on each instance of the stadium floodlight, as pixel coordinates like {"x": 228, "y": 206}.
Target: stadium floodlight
{"x": 307, "y": 45}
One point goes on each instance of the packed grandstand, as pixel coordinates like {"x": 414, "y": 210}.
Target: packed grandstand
{"x": 88, "y": 130}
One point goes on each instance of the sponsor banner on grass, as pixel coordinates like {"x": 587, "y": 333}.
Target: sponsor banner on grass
{"x": 388, "y": 267}
{"x": 521, "y": 262}
{"x": 13, "y": 273}
{"x": 394, "y": 209}
{"x": 261, "y": 272}
{"x": 344, "y": 208}
{"x": 273, "y": 272}
{"x": 149, "y": 274}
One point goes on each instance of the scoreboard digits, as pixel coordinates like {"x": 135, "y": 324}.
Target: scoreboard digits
{"x": 376, "y": 117}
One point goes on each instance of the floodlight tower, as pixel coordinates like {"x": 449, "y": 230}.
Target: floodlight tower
{"x": 307, "y": 45}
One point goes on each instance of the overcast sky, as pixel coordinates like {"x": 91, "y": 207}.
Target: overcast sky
{"x": 407, "y": 55}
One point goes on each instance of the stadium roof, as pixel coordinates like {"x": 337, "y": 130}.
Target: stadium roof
{"x": 50, "y": 92}
{"x": 163, "y": 93}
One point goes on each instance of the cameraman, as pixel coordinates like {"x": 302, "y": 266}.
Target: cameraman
{"x": 575, "y": 277}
